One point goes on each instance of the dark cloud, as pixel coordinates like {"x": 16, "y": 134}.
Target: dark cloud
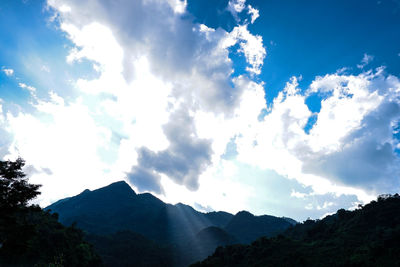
{"x": 30, "y": 170}
{"x": 186, "y": 157}
{"x": 145, "y": 180}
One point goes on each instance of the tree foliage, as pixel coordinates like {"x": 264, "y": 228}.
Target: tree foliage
{"x": 368, "y": 236}
{"x": 30, "y": 236}
{"x": 15, "y": 191}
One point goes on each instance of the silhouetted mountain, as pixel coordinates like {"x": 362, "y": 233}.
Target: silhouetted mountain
{"x": 246, "y": 227}
{"x": 113, "y": 208}
{"x": 116, "y": 208}
{"x": 204, "y": 244}
{"x": 219, "y": 218}
{"x": 212, "y": 237}
{"x": 290, "y": 220}
{"x": 369, "y": 236}
{"x": 215, "y": 235}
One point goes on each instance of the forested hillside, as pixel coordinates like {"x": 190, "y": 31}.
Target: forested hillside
{"x": 367, "y": 236}
{"x": 30, "y": 236}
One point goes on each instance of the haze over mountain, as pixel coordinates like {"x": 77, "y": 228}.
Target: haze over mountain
{"x": 178, "y": 232}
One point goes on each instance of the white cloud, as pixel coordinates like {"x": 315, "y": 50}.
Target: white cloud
{"x": 254, "y": 13}
{"x": 8, "y": 72}
{"x": 236, "y": 6}
{"x": 365, "y": 61}
{"x": 65, "y": 9}
{"x": 158, "y": 70}
{"x": 179, "y": 6}
{"x": 250, "y": 45}
{"x": 297, "y": 194}
{"x": 63, "y": 139}
{"x": 165, "y": 94}
{"x": 349, "y": 150}
{"x": 27, "y": 87}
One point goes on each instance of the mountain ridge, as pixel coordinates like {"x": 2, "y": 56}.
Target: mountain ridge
{"x": 219, "y": 218}
{"x": 366, "y": 236}
{"x": 117, "y": 207}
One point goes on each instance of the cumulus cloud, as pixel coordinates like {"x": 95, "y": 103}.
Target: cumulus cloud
{"x": 236, "y": 6}
{"x": 165, "y": 107}
{"x": 179, "y": 6}
{"x": 254, "y": 13}
{"x": 163, "y": 72}
{"x": 145, "y": 180}
{"x": 251, "y": 46}
{"x": 351, "y": 147}
{"x": 364, "y": 155}
{"x": 60, "y": 144}
{"x": 185, "y": 158}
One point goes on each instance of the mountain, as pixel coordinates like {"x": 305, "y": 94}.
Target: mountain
{"x": 212, "y": 237}
{"x": 204, "y": 244}
{"x": 190, "y": 234}
{"x": 246, "y": 227}
{"x": 219, "y": 218}
{"x": 117, "y": 207}
{"x": 368, "y": 236}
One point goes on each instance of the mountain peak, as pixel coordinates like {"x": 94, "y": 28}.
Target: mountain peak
{"x": 120, "y": 186}
{"x": 85, "y": 191}
{"x": 244, "y": 214}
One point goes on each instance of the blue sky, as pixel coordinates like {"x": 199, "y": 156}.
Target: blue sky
{"x": 286, "y": 108}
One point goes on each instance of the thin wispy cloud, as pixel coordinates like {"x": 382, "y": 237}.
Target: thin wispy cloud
{"x": 8, "y": 72}
{"x": 365, "y": 61}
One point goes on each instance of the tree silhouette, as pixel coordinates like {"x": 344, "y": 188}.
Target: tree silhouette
{"x": 30, "y": 236}
{"x": 15, "y": 191}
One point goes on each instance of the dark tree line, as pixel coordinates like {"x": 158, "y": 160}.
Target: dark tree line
{"x": 30, "y": 236}
{"x": 367, "y": 236}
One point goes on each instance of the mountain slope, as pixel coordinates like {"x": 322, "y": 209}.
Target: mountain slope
{"x": 116, "y": 208}
{"x": 113, "y": 208}
{"x": 219, "y": 218}
{"x": 369, "y": 236}
{"x": 246, "y": 227}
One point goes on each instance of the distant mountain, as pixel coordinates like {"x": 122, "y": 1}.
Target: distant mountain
{"x": 212, "y": 237}
{"x": 219, "y": 218}
{"x": 246, "y": 227}
{"x": 191, "y": 234}
{"x": 369, "y": 236}
{"x": 204, "y": 244}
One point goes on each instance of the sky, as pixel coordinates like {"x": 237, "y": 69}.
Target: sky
{"x": 288, "y": 108}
